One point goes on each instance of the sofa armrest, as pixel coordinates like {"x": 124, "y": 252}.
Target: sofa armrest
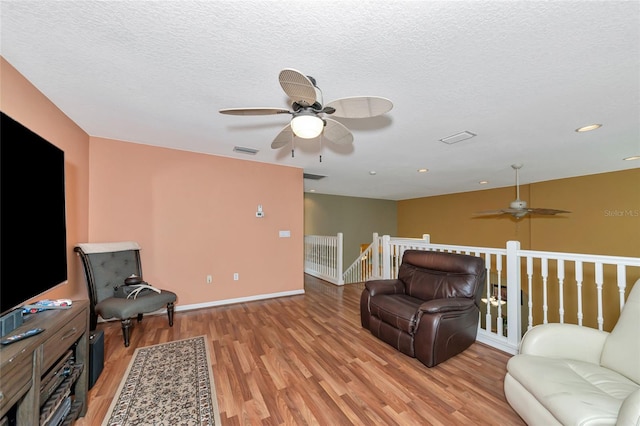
{"x": 629, "y": 414}
{"x": 452, "y": 304}
{"x": 564, "y": 341}
{"x": 377, "y": 287}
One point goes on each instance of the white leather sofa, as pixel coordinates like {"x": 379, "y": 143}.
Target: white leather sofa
{"x": 565, "y": 374}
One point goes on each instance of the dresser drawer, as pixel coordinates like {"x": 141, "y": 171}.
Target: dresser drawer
{"x": 16, "y": 374}
{"x": 61, "y": 341}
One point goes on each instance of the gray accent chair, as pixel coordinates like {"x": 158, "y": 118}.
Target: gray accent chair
{"x": 106, "y": 266}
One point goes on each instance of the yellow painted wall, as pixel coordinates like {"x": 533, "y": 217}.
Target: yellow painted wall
{"x": 604, "y": 220}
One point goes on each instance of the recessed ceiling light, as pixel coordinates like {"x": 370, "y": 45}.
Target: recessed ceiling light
{"x": 634, "y": 157}
{"x": 483, "y": 182}
{"x": 588, "y": 128}
{"x": 423, "y": 170}
{"x": 372, "y": 172}
{"x": 312, "y": 190}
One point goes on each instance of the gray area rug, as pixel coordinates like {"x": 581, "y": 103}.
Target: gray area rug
{"x": 167, "y": 384}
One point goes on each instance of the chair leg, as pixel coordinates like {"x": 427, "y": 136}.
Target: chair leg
{"x": 126, "y": 326}
{"x": 170, "y": 313}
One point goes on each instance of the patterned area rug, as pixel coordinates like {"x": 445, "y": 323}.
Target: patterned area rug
{"x": 167, "y": 384}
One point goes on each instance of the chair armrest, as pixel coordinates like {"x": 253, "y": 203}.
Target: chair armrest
{"x": 629, "y": 414}
{"x": 377, "y": 287}
{"x": 452, "y": 304}
{"x": 564, "y": 341}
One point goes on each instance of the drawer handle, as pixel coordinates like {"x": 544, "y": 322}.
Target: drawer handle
{"x": 70, "y": 333}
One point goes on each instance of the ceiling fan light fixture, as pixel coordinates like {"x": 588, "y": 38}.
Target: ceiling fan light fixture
{"x": 588, "y": 128}
{"x": 307, "y": 125}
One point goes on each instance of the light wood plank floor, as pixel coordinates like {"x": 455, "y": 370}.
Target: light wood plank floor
{"x": 306, "y": 360}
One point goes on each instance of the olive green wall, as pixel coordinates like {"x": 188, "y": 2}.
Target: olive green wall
{"x": 357, "y": 219}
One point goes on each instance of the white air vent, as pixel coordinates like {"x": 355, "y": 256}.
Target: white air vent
{"x": 458, "y": 137}
{"x": 243, "y": 150}
{"x": 313, "y": 177}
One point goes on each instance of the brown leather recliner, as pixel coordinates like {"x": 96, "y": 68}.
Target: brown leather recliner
{"x": 431, "y": 311}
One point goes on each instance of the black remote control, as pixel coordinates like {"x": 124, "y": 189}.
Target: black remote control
{"x": 18, "y": 337}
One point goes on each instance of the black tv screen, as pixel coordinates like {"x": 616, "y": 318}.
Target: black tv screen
{"x": 33, "y": 246}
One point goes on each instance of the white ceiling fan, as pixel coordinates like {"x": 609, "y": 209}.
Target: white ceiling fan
{"x": 518, "y": 208}
{"x": 310, "y": 114}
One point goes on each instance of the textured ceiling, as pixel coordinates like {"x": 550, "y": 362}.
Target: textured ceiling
{"x": 522, "y": 75}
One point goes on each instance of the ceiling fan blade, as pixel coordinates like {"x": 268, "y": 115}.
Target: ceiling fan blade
{"x": 546, "y": 211}
{"x": 490, "y": 212}
{"x": 360, "y": 106}
{"x": 254, "y": 111}
{"x": 336, "y": 132}
{"x": 517, "y": 213}
{"x": 298, "y": 87}
{"x": 284, "y": 137}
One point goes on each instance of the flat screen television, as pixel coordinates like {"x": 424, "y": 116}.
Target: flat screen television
{"x": 33, "y": 232}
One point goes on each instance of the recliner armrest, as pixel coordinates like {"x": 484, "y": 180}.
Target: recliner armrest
{"x": 377, "y": 287}
{"x": 564, "y": 341}
{"x": 446, "y": 305}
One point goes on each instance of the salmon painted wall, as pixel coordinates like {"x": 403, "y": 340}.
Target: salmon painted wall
{"x": 195, "y": 215}
{"x": 24, "y": 103}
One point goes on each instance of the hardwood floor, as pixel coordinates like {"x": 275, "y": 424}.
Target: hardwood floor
{"x": 306, "y": 360}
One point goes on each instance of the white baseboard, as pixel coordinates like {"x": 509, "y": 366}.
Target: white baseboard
{"x": 254, "y": 298}
{"x": 180, "y": 308}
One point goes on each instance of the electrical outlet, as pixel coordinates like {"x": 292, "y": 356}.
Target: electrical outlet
{"x": 236, "y": 276}
{"x": 209, "y": 279}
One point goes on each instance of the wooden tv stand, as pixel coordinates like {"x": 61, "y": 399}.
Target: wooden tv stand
{"x": 23, "y": 364}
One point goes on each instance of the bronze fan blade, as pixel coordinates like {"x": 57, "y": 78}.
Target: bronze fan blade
{"x": 336, "y": 132}
{"x": 284, "y": 137}
{"x": 298, "y": 87}
{"x": 360, "y": 106}
{"x": 254, "y": 111}
{"x": 546, "y": 211}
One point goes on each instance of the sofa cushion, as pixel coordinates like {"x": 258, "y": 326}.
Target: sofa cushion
{"x": 398, "y": 310}
{"x": 621, "y": 349}
{"x": 575, "y": 392}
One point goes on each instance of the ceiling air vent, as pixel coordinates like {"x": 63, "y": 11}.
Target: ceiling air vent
{"x": 458, "y": 137}
{"x": 243, "y": 150}
{"x": 313, "y": 177}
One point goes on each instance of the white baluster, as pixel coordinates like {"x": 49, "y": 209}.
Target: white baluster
{"x": 579, "y": 278}
{"x": 530, "y": 290}
{"x": 599, "y": 283}
{"x": 561, "y": 288}
{"x": 544, "y": 269}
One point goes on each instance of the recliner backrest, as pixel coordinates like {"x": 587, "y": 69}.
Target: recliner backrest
{"x": 621, "y": 351}
{"x": 431, "y": 275}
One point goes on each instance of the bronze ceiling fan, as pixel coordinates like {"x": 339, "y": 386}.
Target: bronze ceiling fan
{"x": 518, "y": 208}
